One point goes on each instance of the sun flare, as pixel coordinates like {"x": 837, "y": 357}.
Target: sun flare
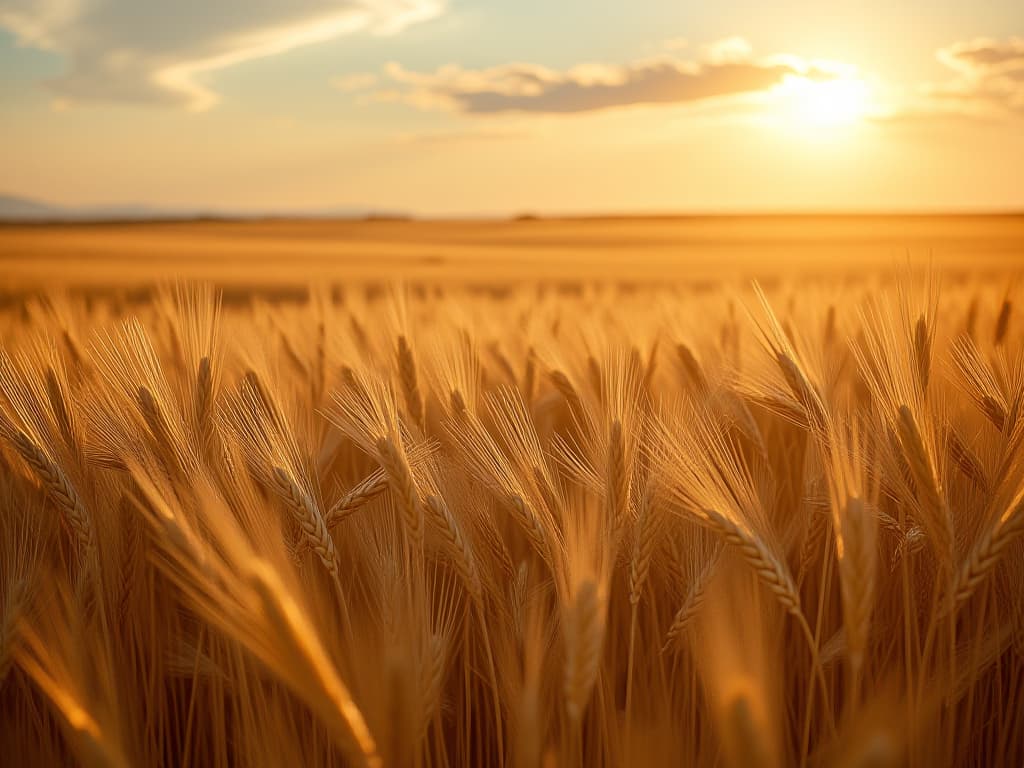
{"x": 815, "y": 104}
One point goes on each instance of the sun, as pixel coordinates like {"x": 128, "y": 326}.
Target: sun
{"x": 818, "y": 104}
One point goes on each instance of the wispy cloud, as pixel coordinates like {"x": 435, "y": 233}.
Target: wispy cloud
{"x": 728, "y": 68}
{"x": 163, "y": 50}
{"x": 989, "y": 74}
{"x": 985, "y": 56}
{"x": 985, "y": 82}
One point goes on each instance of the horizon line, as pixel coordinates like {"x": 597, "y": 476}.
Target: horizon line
{"x": 371, "y": 216}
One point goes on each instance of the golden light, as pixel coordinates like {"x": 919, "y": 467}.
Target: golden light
{"x": 815, "y": 104}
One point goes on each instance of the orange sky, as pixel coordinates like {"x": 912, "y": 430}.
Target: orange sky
{"x": 497, "y": 107}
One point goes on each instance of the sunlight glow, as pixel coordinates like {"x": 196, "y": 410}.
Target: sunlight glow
{"x": 815, "y": 104}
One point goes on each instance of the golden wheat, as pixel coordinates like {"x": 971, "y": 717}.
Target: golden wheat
{"x": 578, "y": 525}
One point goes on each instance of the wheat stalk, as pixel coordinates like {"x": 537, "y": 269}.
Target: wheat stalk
{"x": 15, "y": 603}
{"x": 325, "y": 690}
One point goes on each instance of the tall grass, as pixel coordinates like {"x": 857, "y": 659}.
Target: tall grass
{"x": 561, "y": 525}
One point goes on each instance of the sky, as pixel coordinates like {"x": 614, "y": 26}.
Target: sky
{"x": 477, "y": 107}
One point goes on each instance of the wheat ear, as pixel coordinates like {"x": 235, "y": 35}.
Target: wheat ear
{"x": 568, "y": 391}
{"x": 529, "y": 376}
{"x": 204, "y": 398}
{"x": 309, "y": 519}
{"x": 255, "y": 384}
{"x": 922, "y": 352}
{"x": 584, "y": 637}
{"x": 59, "y": 406}
{"x": 857, "y": 566}
{"x": 989, "y": 550}
{"x": 431, "y": 682}
{"x": 692, "y": 604}
{"x": 1002, "y": 322}
{"x": 803, "y": 391}
{"x": 457, "y": 546}
{"x": 922, "y": 467}
{"x": 967, "y": 460}
{"x": 769, "y": 569}
{"x": 157, "y": 424}
{"x": 645, "y": 540}
{"x": 61, "y": 491}
{"x": 131, "y": 561}
{"x": 617, "y": 481}
{"x": 531, "y": 524}
{"x": 400, "y": 477}
{"x": 692, "y": 368}
{"x": 410, "y": 381}
{"x": 367, "y": 489}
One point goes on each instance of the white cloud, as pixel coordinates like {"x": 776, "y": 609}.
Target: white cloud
{"x": 162, "y": 50}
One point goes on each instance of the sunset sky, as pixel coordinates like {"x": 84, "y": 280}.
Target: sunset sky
{"x": 481, "y": 106}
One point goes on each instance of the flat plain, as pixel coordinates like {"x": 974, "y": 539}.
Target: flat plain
{"x": 645, "y": 249}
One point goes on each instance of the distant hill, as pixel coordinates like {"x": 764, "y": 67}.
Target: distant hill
{"x": 13, "y": 208}
{"x": 22, "y": 209}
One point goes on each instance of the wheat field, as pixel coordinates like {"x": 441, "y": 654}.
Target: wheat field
{"x": 549, "y": 525}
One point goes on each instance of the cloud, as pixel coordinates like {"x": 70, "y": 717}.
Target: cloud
{"x": 985, "y": 83}
{"x": 162, "y": 50}
{"x": 984, "y": 57}
{"x": 729, "y": 50}
{"x": 728, "y": 69}
{"x": 988, "y": 77}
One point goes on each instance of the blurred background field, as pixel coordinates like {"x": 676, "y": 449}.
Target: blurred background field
{"x": 291, "y": 253}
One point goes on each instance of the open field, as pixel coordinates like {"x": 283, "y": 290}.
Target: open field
{"x": 641, "y": 249}
{"x": 554, "y": 493}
